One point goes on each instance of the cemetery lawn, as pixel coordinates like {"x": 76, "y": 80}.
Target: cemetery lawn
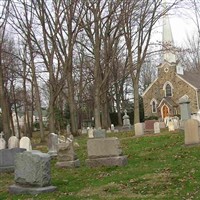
{"x": 159, "y": 167}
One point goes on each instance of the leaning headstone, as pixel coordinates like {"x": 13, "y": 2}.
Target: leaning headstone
{"x": 156, "y": 127}
{"x": 2, "y": 141}
{"x": 99, "y": 133}
{"x": 139, "y": 129}
{"x": 25, "y": 143}
{"x": 7, "y": 159}
{"x": 53, "y": 144}
{"x": 192, "y": 132}
{"x": 66, "y": 155}
{"x": 171, "y": 125}
{"x": 105, "y": 152}
{"x": 13, "y": 142}
{"x": 32, "y": 173}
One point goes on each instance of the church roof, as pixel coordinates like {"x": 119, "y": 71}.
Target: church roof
{"x": 192, "y": 78}
{"x": 169, "y": 101}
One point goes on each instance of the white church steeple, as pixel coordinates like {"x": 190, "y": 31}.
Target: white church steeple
{"x": 167, "y": 38}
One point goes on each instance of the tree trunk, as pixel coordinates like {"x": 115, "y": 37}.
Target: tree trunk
{"x": 136, "y": 99}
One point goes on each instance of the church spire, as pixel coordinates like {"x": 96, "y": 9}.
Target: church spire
{"x": 167, "y": 39}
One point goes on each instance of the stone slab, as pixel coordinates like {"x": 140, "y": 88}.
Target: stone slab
{"x": 139, "y": 129}
{"x": 109, "y": 161}
{"x": 32, "y": 168}
{"x": 7, "y": 158}
{"x": 103, "y": 147}
{"x": 17, "y": 189}
{"x": 68, "y": 164}
{"x": 192, "y": 132}
{"x": 99, "y": 133}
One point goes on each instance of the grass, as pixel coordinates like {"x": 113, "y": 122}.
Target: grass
{"x": 159, "y": 167}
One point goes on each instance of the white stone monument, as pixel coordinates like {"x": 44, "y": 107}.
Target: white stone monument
{"x": 171, "y": 125}
{"x": 53, "y": 144}
{"x": 126, "y": 120}
{"x": 112, "y": 127}
{"x": 156, "y": 127}
{"x": 25, "y": 143}
{"x": 91, "y": 133}
{"x": 139, "y": 129}
{"x": 13, "y": 142}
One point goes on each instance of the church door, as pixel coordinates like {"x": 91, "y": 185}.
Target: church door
{"x": 165, "y": 111}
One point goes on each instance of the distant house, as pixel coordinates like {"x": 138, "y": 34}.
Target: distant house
{"x": 161, "y": 98}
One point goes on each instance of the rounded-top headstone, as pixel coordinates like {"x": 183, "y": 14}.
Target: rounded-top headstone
{"x": 25, "y": 143}
{"x": 13, "y": 142}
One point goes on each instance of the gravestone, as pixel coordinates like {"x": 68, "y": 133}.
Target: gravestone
{"x": 139, "y": 129}
{"x": 171, "y": 125}
{"x": 156, "y": 127}
{"x": 149, "y": 125}
{"x": 90, "y": 133}
{"x": 32, "y": 173}
{"x": 84, "y": 131}
{"x": 162, "y": 125}
{"x": 7, "y": 158}
{"x": 2, "y": 141}
{"x": 68, "y": 129}
{"x": 99, "y": 133}
{"x": 105, "y": 152}
{"x": 166, "y": 120}
{"x": 192, "y": 132}
{"x": 176, "y": 124}
{"x": 112, "y": 127}
{"x": 185, "y": 107}
{"x": 25, "y": 143}
{"x": 53, "y": 144}
{"x": 126, "y": 120}
{"x": 66, "y": 155}
{"x": 13, "y": 142}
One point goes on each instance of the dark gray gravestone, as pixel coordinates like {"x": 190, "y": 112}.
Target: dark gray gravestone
{"x": 32, "y": 173}
{"x": 7, "y": 158}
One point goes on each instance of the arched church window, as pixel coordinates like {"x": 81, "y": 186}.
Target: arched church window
{"x": 168, "y": 90}
{"x": 153, "y": 104}
{"x": 153, "y": 107}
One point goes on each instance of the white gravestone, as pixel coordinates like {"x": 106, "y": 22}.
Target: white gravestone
{"x": 171, "y": 125}
{"x": 91, "y": 133}
{"x": 112, "y": 127}
{"x": 176, "y": 123}
{"x": 2, "y": 141}
{"x": 25, "y": 143}
{"x": 156, "y": 127}
{"x": 126, "y": 120}
{"x": 13, "y": 142}
{"x": 139, "y": 129}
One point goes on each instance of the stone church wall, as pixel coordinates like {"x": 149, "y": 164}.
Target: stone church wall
{"x": 157, "y": 92}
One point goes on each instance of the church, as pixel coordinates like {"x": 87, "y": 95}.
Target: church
{"x": 161, "y": 98}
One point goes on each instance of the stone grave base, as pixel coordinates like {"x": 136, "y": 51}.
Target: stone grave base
{"x": 53, "y": 154}
{"x": 107, "y": 161}
{"x": 68, "y": 164}
{"x": 17, "y": 189}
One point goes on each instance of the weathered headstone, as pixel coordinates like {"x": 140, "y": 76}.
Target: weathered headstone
{"x": 13, "y": 142}
{"x": 112, "y": 127}
{"x": 192, "y": 132}
{"x": 176, "y": 124}
{"x": 139, "y": 129}
{"x": 126, "y": 120}
{"x": 91, "y": 133}
{"x": 185, "y": 107}
{"x": 66, "y": 155}
{"x": 7, "y": 158}
{"x": 105, "y": 152}
{"x": 162, "y": 125}
{"x": 53, "y": 144}
{"x": 32, "y": 173}
{"x": 2, "y": 141}
{"x": 156, "y": 127}
{"x": 68, "y": 129}
{"x": 171, "y": 125}
{"x": 149, "y": 125}
{"x": 25, "y": 143}
{"x": 99, "y": 133}
{"x": 84, "y": 131}
{"x": 166, "y": 120}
